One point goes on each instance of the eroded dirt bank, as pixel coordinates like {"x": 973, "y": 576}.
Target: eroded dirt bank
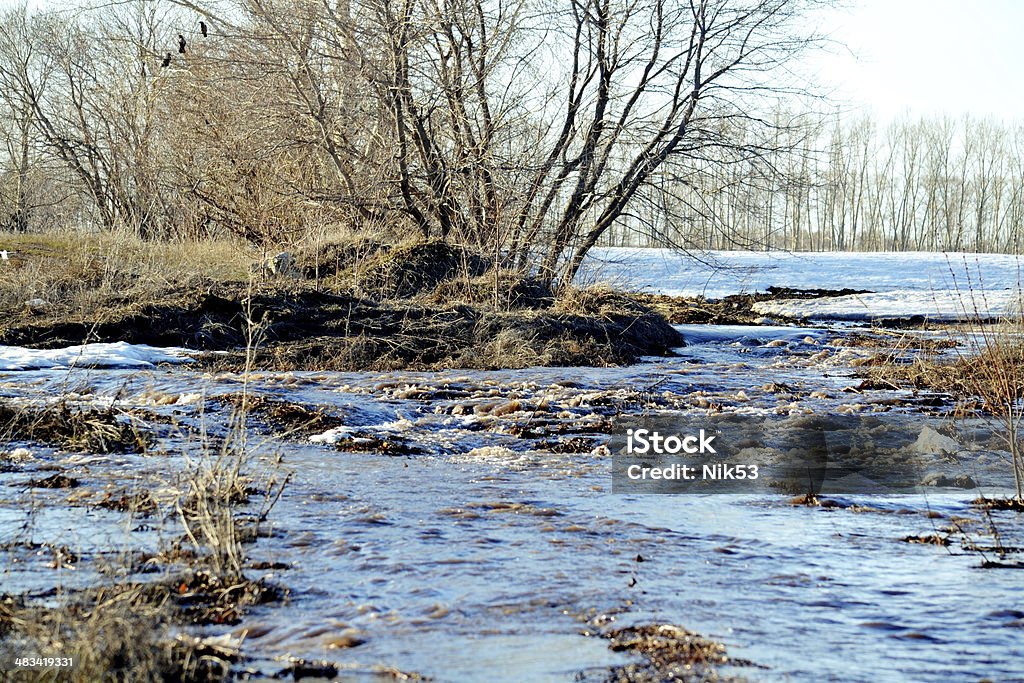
{"x": 353, "y": 307}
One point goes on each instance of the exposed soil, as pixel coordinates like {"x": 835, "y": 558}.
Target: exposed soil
{"x": 54, "y": 481}
{"x": 737, "y": 309}
{"x": 139, "y": 503}
{"x": 369, "y": 443}
{"x": 1013, "y": 504}
{"x": 671, "y": 653}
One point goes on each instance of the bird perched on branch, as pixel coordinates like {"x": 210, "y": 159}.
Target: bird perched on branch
{"x": 202, "y": 28}
{"x": 181, "y": 44}
{"x": 167, "y": 61}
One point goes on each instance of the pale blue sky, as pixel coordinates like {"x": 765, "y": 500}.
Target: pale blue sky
{"x": 928, "y": 56}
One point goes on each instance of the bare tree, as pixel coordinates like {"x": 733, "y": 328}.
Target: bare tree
{"x": 86, "y": 84}
{"x": 528, "y": 128}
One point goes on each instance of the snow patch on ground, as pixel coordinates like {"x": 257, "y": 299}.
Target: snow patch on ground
{"x": 112, "y": 355}
{"x": 936, "y": 306}
{"x": 938, "y": 286}
{"x": 716, "y": 274}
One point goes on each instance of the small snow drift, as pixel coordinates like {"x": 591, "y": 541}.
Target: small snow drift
{"x": 110, "y": 355}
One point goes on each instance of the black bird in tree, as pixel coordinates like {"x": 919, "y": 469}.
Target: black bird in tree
{"x": 202, "y": 28}
{"x": 181, "y": 44}
{"x": 167, "y": 61}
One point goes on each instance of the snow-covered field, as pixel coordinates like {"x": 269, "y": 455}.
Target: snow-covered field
{"x": 942, "y": 306}
{"x": 936, "y": 285}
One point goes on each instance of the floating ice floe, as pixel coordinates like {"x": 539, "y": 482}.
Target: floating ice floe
{"x": 336, "y": 434}
{"x": 761, "y": 334}
{"x": 100, "y": 355}
{"x": 17, "y": 456}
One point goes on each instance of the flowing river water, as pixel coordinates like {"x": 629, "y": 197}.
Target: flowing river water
{"x": 483, "y": 554}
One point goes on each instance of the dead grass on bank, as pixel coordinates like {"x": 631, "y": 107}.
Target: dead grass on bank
{"x": 117, "y": 638}
{"x": 82, "y": 273}
{"x": 986, "y": 376}
{"x": 986, "y": 363}
{"x": 132, "y": 630}
{"x": 990, "y": 376}
{"x": 346, "y": 304}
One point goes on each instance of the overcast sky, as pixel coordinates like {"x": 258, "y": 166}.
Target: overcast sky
{"x": 928, "y": 56}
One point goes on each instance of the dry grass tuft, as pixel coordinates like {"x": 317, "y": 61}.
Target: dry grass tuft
{"x": 417, "y": 268}
{"x": 514, "y": 348}
{"x": 118, "y": 633}
{"x": 991, "y": 369}
{"x": 284, "y": 418}
{"x": 598, "y": 300}
{"x": 75, "y": 429}
{"x": 215, "y": 483}
{"x": 339, "y": 259}
{"x": 498, "y": 290}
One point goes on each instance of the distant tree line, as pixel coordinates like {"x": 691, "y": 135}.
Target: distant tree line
{"x": 928, "y": 184}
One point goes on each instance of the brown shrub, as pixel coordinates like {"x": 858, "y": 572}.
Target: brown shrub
{"x": 500, "y": 290}
{"x": 408, "y": 270}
